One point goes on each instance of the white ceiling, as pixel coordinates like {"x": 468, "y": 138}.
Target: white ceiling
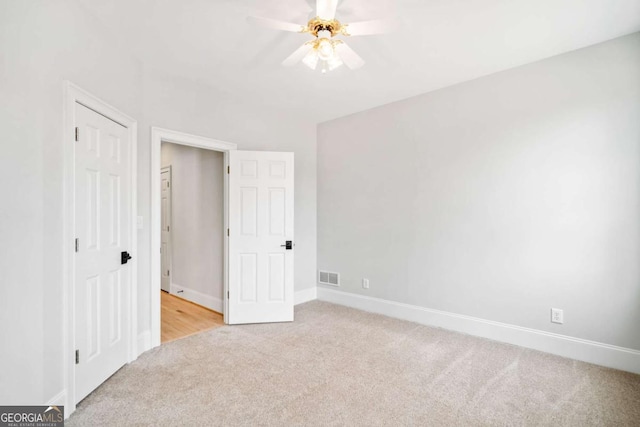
{"x": 438, "y": 43}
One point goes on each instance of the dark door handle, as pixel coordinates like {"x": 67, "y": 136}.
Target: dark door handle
{"x": 124, "y": 257}
{"x": 288, "y": 245}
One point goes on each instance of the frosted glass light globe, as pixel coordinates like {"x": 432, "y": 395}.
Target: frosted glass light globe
{"x": 325, "y": 49}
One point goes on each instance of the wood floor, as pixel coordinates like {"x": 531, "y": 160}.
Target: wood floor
{"x": 181, "y": 318}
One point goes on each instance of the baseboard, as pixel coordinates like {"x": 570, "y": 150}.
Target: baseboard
{"x": 305, "y": 295}
{"x": 216, "y": 304}
{"x": 611, "y": 356}
{"x": 197, "y": 297}
{"x": 144, "y": 342}
{"x": 60, "y": 399}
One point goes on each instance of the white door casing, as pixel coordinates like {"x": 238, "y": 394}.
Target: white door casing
{"x": 261, "y": 200}
{"x": 102, "y": 227}
{"x": 165, "y": 224}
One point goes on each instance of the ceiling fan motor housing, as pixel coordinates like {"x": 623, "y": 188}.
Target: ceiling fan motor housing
{"x": 317, "y": 24}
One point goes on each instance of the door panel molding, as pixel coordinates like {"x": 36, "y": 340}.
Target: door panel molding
{"x": 158, "y": 136}
{"x": 73, "y": 95}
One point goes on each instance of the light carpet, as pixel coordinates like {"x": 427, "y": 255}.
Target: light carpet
{"x": 339, "y": 366}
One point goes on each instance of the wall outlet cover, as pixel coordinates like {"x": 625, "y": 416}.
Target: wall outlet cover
{"x": 557, "y": 315}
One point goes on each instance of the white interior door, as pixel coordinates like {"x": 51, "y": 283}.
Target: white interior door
{"x": 165, "y": 224}
{"x": 102, "y": 224}
{"x": 260, "y": 225}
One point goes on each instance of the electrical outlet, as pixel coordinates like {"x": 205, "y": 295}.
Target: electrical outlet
{"x": 365, "y": 283}
{"x": 557, "y": 315}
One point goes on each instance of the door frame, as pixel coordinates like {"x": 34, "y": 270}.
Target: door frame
{"x": 158, "y": 136}
{"x": 169, "y": 246}
{"x": 73, "y": 95}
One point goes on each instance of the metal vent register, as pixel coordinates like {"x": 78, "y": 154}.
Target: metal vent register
{"x": 329, "y": 278}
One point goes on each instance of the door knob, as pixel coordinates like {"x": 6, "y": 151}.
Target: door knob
{"x": 288, "y": 245}
{"x": 124, "y": 257}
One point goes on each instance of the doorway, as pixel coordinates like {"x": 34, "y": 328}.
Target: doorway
{"x": 192, "y": 240}
{"x": 258, "y": 215}
{"x": 178, "y": 141}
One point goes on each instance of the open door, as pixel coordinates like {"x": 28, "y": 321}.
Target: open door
{"x": 260, "y": 285}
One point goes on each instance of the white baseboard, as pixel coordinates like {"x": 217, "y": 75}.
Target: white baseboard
{"x": 612, "y": 356}
{"x": 144, "y": 342}
{"x": 60, "y": 399}
{"x": 305, "y": 295}
{"x": 216, "y": 304}
{"x": 199, "y": 298}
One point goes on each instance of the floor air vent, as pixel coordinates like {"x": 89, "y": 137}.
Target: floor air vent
{"x": 329, "y": 278}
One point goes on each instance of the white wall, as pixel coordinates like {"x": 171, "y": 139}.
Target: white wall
{"x": 43, "y": 43}
{"x": 197, "y": 222}
{"x": 498, "y": 198}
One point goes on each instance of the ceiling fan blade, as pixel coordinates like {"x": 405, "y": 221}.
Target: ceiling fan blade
{"x": 349, "y": 56}
{"x": 297, "y": 55}
{"x": 326, "y": 9}
{"x": 366, "y": 28}
{"x": 274, "y": 24}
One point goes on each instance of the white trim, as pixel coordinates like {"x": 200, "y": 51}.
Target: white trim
{"x": 144, "y": 342}
{"x": 72, "y": 94}
{"x": 608, "y": 355}
{"x": 158, "y": 136}
{"x": 305, "y": 295}
{"x": 58, "y": 399}
{"x": 197, "y": 297}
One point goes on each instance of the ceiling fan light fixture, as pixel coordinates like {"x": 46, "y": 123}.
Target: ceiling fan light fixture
{"x": 325, "y": 49}
{"x": 334, "y": 62}
{"x": 311, "y": 59}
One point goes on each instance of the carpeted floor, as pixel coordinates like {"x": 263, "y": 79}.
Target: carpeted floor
{"x": 339, "y": 366}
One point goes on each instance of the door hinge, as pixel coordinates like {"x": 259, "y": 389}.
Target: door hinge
{"x": 77, "y": 356}
{"x": 228, "y": 232}
{"x": 77, "y": 244}
{"x": 227, "y": 294}
{"x": 228, "y": 170}
{"x": 168, "y": 272}
{"x": 76, "y": 134}
{"x": 168, "y": 227}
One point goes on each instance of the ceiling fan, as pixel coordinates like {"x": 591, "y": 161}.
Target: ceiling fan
{"x": 324, "y": 48}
